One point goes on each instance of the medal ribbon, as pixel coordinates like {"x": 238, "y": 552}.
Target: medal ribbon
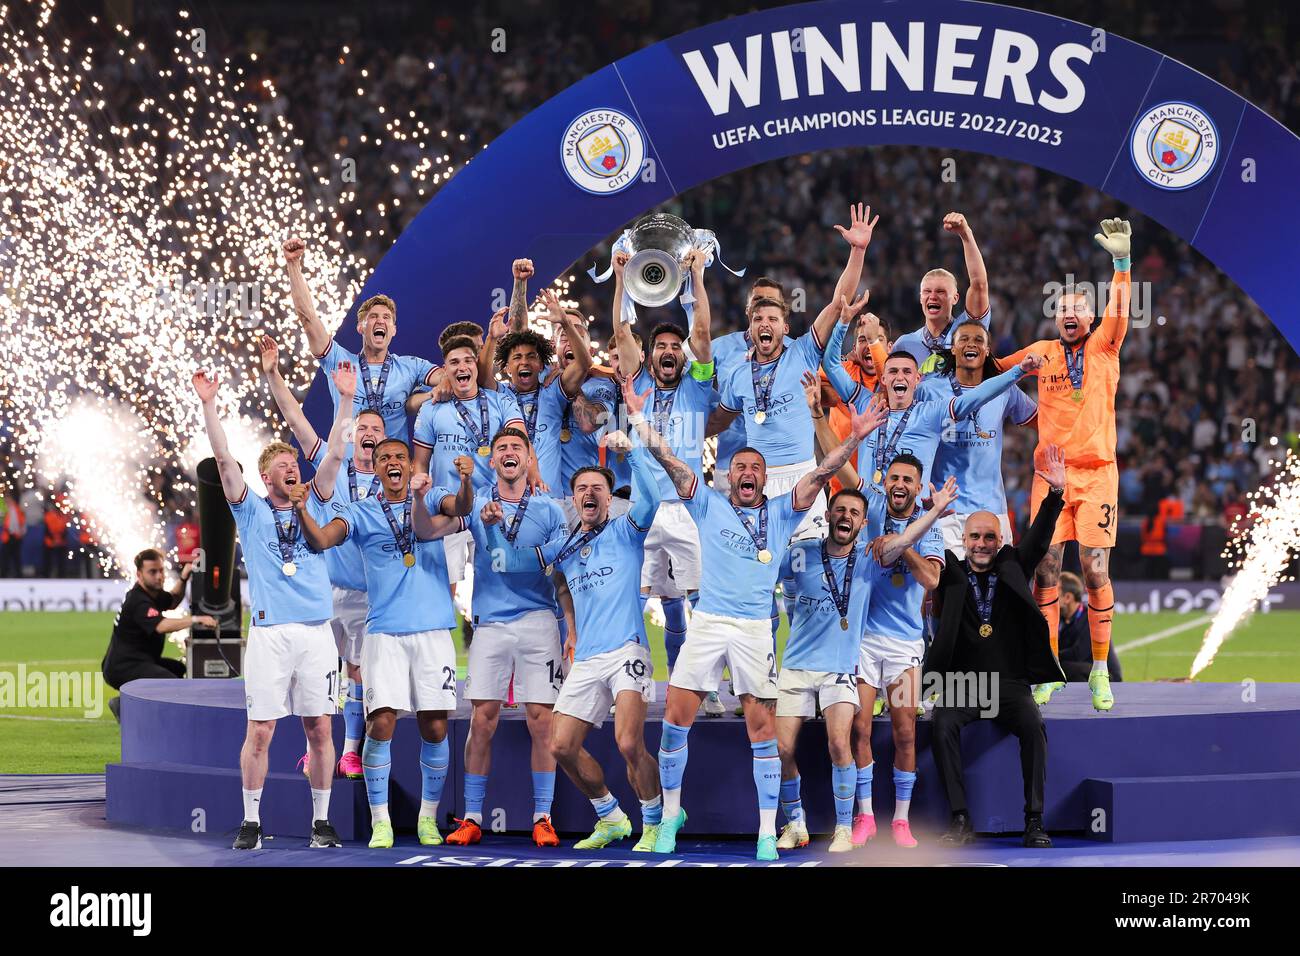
{"x": 891, "y": 527}
{"x": 513, "y": 530}
{"x": 841, "y": 603}
{"x": 401, "y": 534}
{"x": 763, "y": 384}
{"x": 984, "y": 601}
{"x": 1075, "y": 368}
{"x": 759, "y": 537}
{"x": 571, "y": 546}
{"x": 284, "y": 539}
{"x": 479, "y": 437}
{"x": 663, "y": 408}
{"x": 974, "y": 416}
{"x": 374, "y": 399}
{"x": 885, "y": 450}
{"x": 530, "y": 418}
{"x": 352, "y": 481}
{"x": 934, "y": 342}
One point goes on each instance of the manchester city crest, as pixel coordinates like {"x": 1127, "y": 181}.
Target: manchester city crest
{"x": 602, "y": 151}
{"x": 1174, "y": 145}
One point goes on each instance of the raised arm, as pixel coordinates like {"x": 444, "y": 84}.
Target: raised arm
{"x": 345, "y": 380}
{"x": 888, "y": 548}
{"x": 863, "y": 423}
{"x": 833, "y": 357}
{"x": 977, "y": 277}
{"x": 232, "y": 478}
{"x": 629, "y": 353}
{"x": 701, "y": 333}
{"x": 487, "y": 356}
{"x": 645, "y": 486}
{"x": 430, "y": 527}
{"x": 289, "y": 408}
{"x": 972, "y": 399}
{"x": 575, "y": 373}
{"x": 847, "y": 476}
{"x": 1115, "y": 238}
{"x": 683, "y": 478}
{"x": 318, "y": 340}
{"x": 858, "y": 236}
{"x": 1033, "y": 546}
{"x": 522, "y": 271}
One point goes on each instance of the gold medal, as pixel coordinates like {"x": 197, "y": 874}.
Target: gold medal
{"x": 1077, "y": 395}
{"x": 484, "y": 451}
{"x": 565, "y": 435}
{"x": 844, "y": 624}
{"x": 877, "y": 475}
{"x": 898, "y": 580}
{"x": 986, "y": 630}
{"x": 408, "y": 559}
{"x": 289, "y": 569}
{"x": 760, "y": 416}
{"x": 765, "y": 556}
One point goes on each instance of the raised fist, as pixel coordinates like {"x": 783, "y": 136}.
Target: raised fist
{"x": 522, "y": 268}
{"x": 293, "y": 250}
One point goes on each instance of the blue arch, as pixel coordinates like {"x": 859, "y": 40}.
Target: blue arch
{"x": 516, "y": 199}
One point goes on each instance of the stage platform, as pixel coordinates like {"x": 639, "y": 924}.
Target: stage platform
{"x": 58, "y": 820}
{"x": 1171, "y": 762}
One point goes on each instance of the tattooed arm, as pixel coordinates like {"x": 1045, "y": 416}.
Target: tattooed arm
{"x": 682, "y": 477}
{"x": 811, "y": 484}
{"x": 522, "y": 270}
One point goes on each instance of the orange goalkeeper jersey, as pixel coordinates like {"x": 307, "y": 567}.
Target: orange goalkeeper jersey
{"x": 1085, "y": 429}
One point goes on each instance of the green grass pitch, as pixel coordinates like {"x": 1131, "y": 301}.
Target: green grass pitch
{"x": 51, "y": 740}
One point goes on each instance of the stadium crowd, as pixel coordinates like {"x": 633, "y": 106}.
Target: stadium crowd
{"x": 1203, "y": 400}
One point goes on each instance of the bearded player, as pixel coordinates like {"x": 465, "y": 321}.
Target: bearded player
{"x": 1076, "y": 410}
{"x": 291, "y": 666}
{"x": 515, "y": 636}
{"x": 828, "y": 582}
{"x": 938, "y": 297}
{"x": 683, "y": 397}
{"x": 409, "y": 659}
{"x": 743, "y": 539}
{"x": 601, "y": 560}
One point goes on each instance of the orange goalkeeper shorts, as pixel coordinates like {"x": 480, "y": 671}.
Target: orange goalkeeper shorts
{"x": 1091, "y": 512}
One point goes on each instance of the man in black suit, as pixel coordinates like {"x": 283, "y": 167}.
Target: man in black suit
{"x": 990, "y": 627}
{"x": 1075, "y": 641}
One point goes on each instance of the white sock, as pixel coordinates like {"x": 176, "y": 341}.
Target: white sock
{"x": 478, "y": 818}
{"x": 1100, "y": 666}
{"x": 614, "y": 816}
{"x": 320, "y": 804}
{"x": 672, "y": 803}
{"x": 378, "y": 813}
{"x": 253, "y": 805}
{"x": 429, "y": 808}
{"x": 351, "y": 746}
{"x": 767, "y": 821}
{"x": 901, "y": 807}
{"x": 864, "y": 806}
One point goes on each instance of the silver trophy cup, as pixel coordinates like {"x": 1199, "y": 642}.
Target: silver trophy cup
{"x": 654, "y": 273}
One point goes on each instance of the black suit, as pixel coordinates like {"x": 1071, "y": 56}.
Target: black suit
{"x": 1017, "y": 652}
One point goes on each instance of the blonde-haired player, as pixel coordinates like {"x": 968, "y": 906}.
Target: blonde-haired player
{"x": 1076, "y": 410}
{"x": 938, "y": 296}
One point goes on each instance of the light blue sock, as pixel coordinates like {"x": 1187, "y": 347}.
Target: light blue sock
{"x": 375, "y": 766}
{"x": 904, "y": 780}
{"x": 674, "y": 627}
{"x": 354, "y": 713}
{"x": 767, "y": 779}
{"x": 842, "y": 784}
{"x": 672, "y": 766}
{"x": 434, "y": 759}
{"x": 543, "y": 793}
{"x": 776, "y": 620}
{"x": 791, "y": 804}
{"x": 644, "y": 598}
{"x": 604, "y": 806}
{"x": 864, "y": 787}
{"x": 652, "y": 812}
{"x": 475, "y": 790}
